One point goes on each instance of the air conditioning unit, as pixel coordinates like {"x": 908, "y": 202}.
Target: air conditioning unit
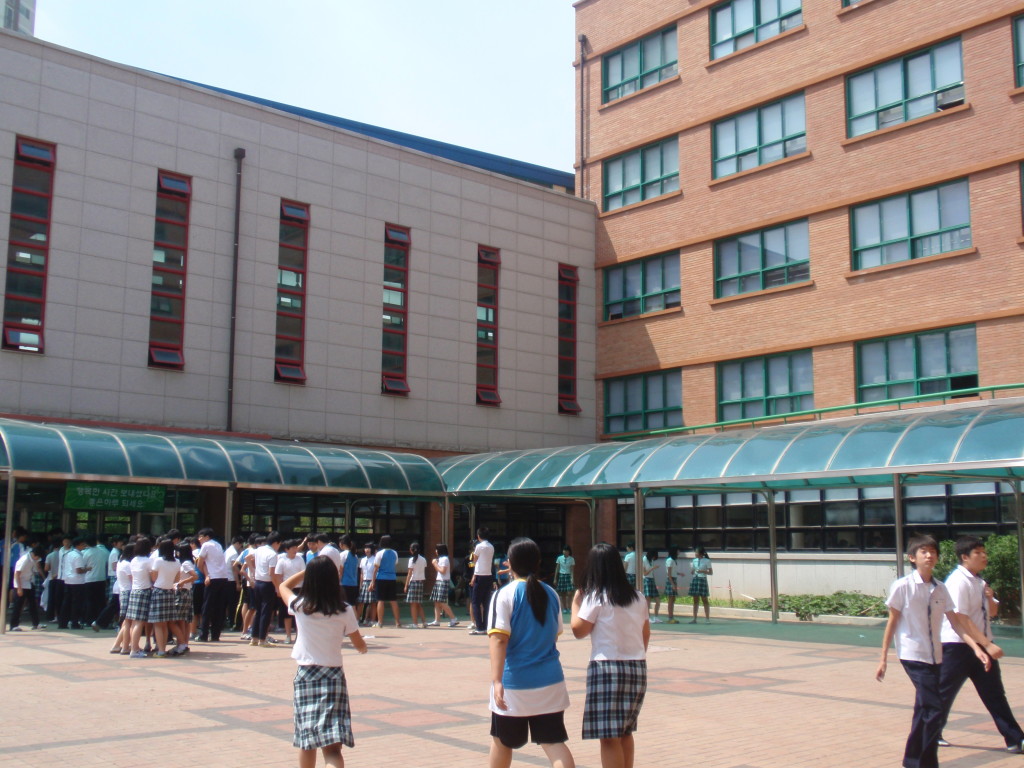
{"x": 954, "y": 97}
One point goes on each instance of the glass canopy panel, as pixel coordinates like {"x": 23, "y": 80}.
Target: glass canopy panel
{"x": 760, "y": 454}
{"x": 667, "y": 456}
{"x": 343, "y": 470}
{"x": 480, "y": 473}
{"x": 997, "y": 434}
{"x": 381, "y": 470}
{"x": 456, "y": 471}
{"x": 584, "y": 470}
{"x": 550, "y": 468}
{"x": 152, "y": 456}
{"x": 711, "y": 459}
{"x": 203, "y": 459}
{"x": 252, "y": 464}
{"x": 298, "y": 467}
{"x": 623, "y": 467}
{"x": 869, "y": 444}
{"x": 515, "y": 471}
{"x": 419, "y": 474}
{"x": 96, "y": 453}
{"x": 933, "y": 440}
{"x": 811, "y": 451}
{"x": 35, "y": 447}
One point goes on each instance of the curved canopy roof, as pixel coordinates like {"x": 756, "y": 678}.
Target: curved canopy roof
{"x": 983, "y": 440}
{"x": 74, "y": 452}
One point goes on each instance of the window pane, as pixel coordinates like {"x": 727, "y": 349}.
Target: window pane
{"x": 901, "y": 358}
{"x": 743, "y": 13}
{"x": 673, "y": 390}
{"x": 778, "y": 376}
{"x": 798, "y": 246}
{"x": 725, "y": 138}
{"x": 889, "y": 83}
{"x": 634, "y": 279}
{"x": 963, "y": 351}
{"x": 728, "y": 257}
{"x": 894, "y": 218}
{"x": 862, "y": 93}
{"x": 924, "y": 210}
{"x": 771, "y": 123}
{"x": 775, "y": 247}
{"x": 669, "y": 157}
{"x": 634, "y": 394}
{"x": 750, "y": 253}
{"x": 802, "y": 372}
{"x": 753, "y": 378}
{"x": 731, "y": 382}
{"x": 948, "y": 68}
{"x": 933, "y": 354}
{"x": 867, "y": 225}
{"x": 954, "y": 206}
{"x": 655, "y": 399}
{"x": 919, "y": 75}
{"x": 746, "y": 130}
{"x": 632, "y": 170}
{"x": 872, "y": 363}
{"x": 795, "y": 117}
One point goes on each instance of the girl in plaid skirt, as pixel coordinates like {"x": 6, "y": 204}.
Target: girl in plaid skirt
{"x": 609, "y": 610}
{"x": 565, "y": 586}
{"x": 162, "y": 608}
{"x": 443, "y": 565}
{"x": 414, "y": 579}
{"x": 700, "y": 569}
{"x": 650, "y": 587}
{"x": 181, "y": 627}
{"x": 323, "y": 718}
{"x": 670, "y": 585}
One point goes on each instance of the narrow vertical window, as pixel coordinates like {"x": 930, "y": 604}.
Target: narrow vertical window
{"x": 1018, "y": 50}
{"x": 397, "y": 242}
{"x": 488, "y": 265}
{"x": 28, "y": 247}
{"x": 170, "y": 259}
{"x": 568, "y": 282}
{"x": 289, "y": 345}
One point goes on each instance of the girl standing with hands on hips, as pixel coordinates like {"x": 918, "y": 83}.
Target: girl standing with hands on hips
{"x": 528, "y": 692}
{"x": 565, "y": 586}
{"x": 700, "y": 569}
{"x": 323, "y": 719}
{"x": 608, "y": 608}
{"x": 443, "y": 565}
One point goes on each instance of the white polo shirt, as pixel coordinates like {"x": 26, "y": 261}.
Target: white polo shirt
{"x": 287, "y": 567}
{"x": 264, "y": 560}
{"x": 331, "y": 551}
{"x": 922, "y": 606}
{"x": 214, "y": 564}
{"x": 483, "y": 554}
{"x": 967, "y": 593}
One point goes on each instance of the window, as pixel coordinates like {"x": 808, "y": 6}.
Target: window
{"x": 170, "y": 259}
{"x": 759, "y": 136}
{"x": 917, "y": 364}
{"x": 765, "y": 386}
{"x": 28, "y": 245}
{"x": 906, "y": 88}
{"x": 1018, "y": 49}
{"x": 292, "y": 247}
{"x": 641, "y": 286}
{"x": 640, "y": 64}
{"x": 913, "y": 225}
{"x": 568, "y": 283}
{"x": 397, "y": 242}
{"x": 765, "y": 259}
{"x": 741, "y": 23}
{"x": 487, "y": 267}
{"x": 646, "y": 401}
{"x": 641, "y": 174}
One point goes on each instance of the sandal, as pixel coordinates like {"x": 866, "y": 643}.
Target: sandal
{"x": 115, "y": 649}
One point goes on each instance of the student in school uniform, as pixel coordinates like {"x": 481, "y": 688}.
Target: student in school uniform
{"x": 442, "y": 584}
{"x": 183, "y": 608}
{"x": 367, "y": 594}
{"x": 216, "y": 584}
{"x": 123, "y": 574}
{"x": 350, "y": 570}
{"x": 289, "y": 562}
{"x": 650, "y": 587}
{"x": 973, "y": 597}
{"x": 162, "y": 608}
{"x": 385, "y": 581}
{"x": 671, "y": 569}
{"x": 141, "y": 594}
{"x": 262, "y": 563}
{"x": 74, "y": 602}
{"x": 328, "y": 550}
{"x": 565, "y": 587}
{"x": 917, "y": 603}
{"x": 415, "y": 577}
{"x": 24, "y": 570}
{"x": 55, "y": 589}
{"x": 482, "y": 581}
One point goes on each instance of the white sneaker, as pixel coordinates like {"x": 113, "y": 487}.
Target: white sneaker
{"x": 433, "y": 624}
{"x": 453, "y": 623}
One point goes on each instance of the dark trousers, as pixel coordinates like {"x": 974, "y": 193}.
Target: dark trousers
{"x": 54, "y": 597}
{"x": 215, "y": 598}
{"x": 27, "y": 596}
{"x": 110, "y": 611}
{"x": 72, "y": 606}
{"x": 482, "y": 590}
{"x": 266, "y": 601}
{"x": 922, "y": 750}
{"x": 96, "y": 598}
{"x": 960, "y": 664}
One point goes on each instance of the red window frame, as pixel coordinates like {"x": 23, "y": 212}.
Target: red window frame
{"x": 568, "y": 395}
{"x": 172, "y": 191}
{"x": 292, "y": 258}
{"x": 488, "y": 273}
{"x": 395, "y": 323}
{"x": 24, "y": 331}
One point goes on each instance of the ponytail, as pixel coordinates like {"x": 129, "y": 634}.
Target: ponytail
{"x": 524, "y": 559}
{"x": 537, "y": 598}
{"x": 414, "y": 549}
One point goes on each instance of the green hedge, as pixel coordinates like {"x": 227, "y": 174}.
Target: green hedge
{"x": 806, "y": 607}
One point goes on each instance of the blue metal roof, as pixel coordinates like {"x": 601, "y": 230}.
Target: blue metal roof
{"x": 517, "y": 169}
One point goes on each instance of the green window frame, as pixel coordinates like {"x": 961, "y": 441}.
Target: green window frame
{"x": 912, "y": 86}
{"x": 766, "y": 386}
{"x": 639, "y": 65}
{"x": 942, "y": 360}
{"x": 642, "y": 286}
{"x": 641, "y": 174}
{"x": 739, "y": 24}
{"x": 1018, "y": 50}
{"x": 759, "y": 136}
{"x": 912, "y": 225}
{"x": 642, "y": 402}
{"x": 763, "y": 259}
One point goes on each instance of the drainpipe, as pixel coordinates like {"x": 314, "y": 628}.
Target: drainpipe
{"x": 583, "y": 113}
{"x": 239, "y": 156}
{"x": 638, "y": 533}
{"x": 5, "y": 578}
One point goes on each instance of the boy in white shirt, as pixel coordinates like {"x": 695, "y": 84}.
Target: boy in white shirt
{"x": 24, "y": 569}
{"x": 482, "y": 582}
{"x": 289, "y": 563}
{"x": 917, "y": 602}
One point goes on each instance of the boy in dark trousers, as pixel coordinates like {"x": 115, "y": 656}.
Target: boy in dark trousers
{"x": 917, "y": 603}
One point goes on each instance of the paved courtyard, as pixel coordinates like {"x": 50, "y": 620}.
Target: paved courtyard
{"x": 732, "y": 694}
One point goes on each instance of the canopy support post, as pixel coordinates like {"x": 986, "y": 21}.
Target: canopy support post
{"x": 229, "y": 511}
{"x": 897, "y": 508}
{"x": 773, "y": 553}
{"x": 472, "y": 525}
{"x": 348, "y": 516}
{"x": 1018, "y": 508}
{"x": 446, "y": 521}
{"x": 5, "y": 579}
{"x": 638, "y": 534}
{"x": 592, "y": 508}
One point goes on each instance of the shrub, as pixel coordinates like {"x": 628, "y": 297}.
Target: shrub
{"x": 806, "y": 607}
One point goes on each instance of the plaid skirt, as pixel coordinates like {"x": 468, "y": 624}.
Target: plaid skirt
{"x": 138, "y": 605}
{"x": 650, "y": 588}
{"x": 183, "y": 604}
{"x": 122, "y": 600}
{"x": 699, "y": 586}
{"x": 415, "y": 592}
{"x": 367, "y": 595}
{"x": 564, "y": 582}
{"x": 162, "y": 606}
{"x": 615, "y": 694}
{"x": 439, "y": 594}
{"x": 322, "y": 715}
{"x": 670, "y": 588}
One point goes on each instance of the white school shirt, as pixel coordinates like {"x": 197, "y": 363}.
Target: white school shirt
{"x": 229, "y": 555}
{"x": 287, "y": 567}
{"x": 112, "y": 559}
{"x": 967, "y": 593}
{"x": 630, "y": 562}
{"x": 444, "y": 562}
{"x": 73, "y": 560}
{"x": 921, "y": 606}
{"x": 418, "y": 569}
{"x": 23, "y": 570}
{"x": 331, "y": 551}
{"x": 166, "y": 573}
{"x": 618, "y": 629}
{"x": 366, "y": 566}
{"x": 52, "y": 561}
{"x": 214, "y": 564}
{"x": 264, "y": 560}
{"x": 483, "y": 554}
{"x": 123, "y": 585}
{"x": 670, "y": 570}
{"x": 318, "y": 637}
{"x": 97, "y": 558}
{"x": 142, "y": 577}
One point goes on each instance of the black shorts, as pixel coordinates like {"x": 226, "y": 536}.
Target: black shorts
{"x": 248, "y": 600}
{"x": 351, "y": 594}
{"x": 543, "y": 729}
{"x": 387, "y": 590}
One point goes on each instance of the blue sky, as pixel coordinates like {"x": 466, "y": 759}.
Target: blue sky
{"x": 491, "y": 76}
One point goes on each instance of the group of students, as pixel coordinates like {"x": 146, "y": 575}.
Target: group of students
{"x": 699, "y": 590}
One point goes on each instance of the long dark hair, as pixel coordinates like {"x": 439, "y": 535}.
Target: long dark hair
{"x": 442, "y": 550}
{"x": 165, "y": 550}
{"x": 524, "y": 558}
{"x": 185, "y": 553}
{"x": 414, "y": 550}
{"x": 606, "y": 575}
{"x": 321, "y": 590}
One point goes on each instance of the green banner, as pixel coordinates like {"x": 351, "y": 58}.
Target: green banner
{"x": 115, "y": 497}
